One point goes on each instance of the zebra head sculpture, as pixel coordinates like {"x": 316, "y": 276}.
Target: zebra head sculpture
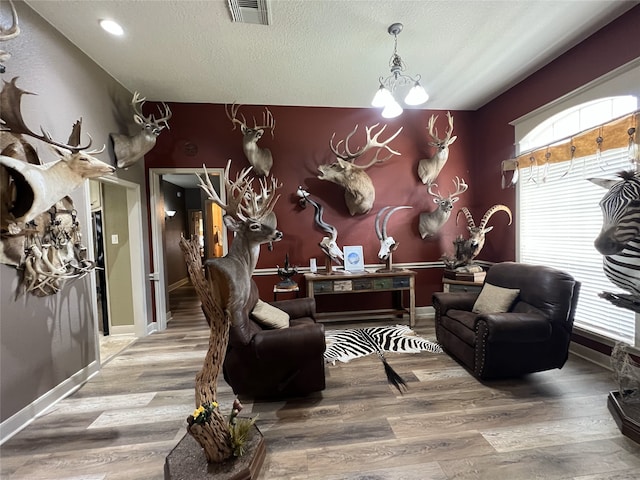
{"x": 619, "y": 239}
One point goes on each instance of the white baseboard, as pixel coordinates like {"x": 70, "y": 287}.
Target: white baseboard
{"x": 178, "y": 284}
{"x": 590, "y": 355}
{"x": 24, "y": 417}
{"x": 151, "y": 328}
{"x": 122, "y": 329}
{"x": 425, "y": 312}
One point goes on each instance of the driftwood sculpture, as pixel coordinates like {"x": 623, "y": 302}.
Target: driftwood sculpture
{"x": 8, "y": 33}
{"x": 260, "y": 158}
{"x": 328, "y": 244}
{"x": 129, "y": 150}
{"x": 359, "y": 192}
{"x": 224, "y": 293}
{"x": 619, "y": 239}
{"x": 466, "y": 250}
{"x": 387, "y": 243}
{"x": 429, "y": 168}
{"x": 430, "y": 223}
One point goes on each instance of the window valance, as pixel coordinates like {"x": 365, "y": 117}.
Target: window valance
{"x": 618, "y": 133}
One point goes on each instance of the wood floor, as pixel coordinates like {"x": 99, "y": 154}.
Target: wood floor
{"x": 123, "y": 422}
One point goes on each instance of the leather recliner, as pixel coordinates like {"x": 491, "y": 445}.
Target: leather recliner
{"x": 532, "y": 336}
{"x": 276, "y": 363}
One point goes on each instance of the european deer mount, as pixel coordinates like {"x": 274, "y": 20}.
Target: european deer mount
{"x": 34, "y": 188}
{"x": 259, "y": 158}
{"x": 467, "y": 250}
{"x": 359, "y": 192}
{"x": 130, "y": 149}
{"x": 7, "y": 34}
{"x": 387, "y": 244}
{"x": 431, "y": 222}
{"x": 429, "y": 168}
{"x": 328, "y": 244}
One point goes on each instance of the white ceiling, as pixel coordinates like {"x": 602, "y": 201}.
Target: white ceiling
{"x": 326, "y": 52}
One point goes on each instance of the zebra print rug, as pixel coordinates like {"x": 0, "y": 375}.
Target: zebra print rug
{"x": 345, "y": 345}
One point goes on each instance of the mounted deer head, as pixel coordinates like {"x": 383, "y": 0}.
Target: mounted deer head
{"x": 359, "y": 191}
{"x": 432, "y": 222}
{"x": 129, "y": 150}
{"x": 35, "y": 188}
{"x": 7, "y": 34}
{"x": 329, "y": 244}
{"x": 429, "y": 168}
{"x": 467, "y": 250}
{"x": 387, "y": 243}
{"x": 259, "y": 158}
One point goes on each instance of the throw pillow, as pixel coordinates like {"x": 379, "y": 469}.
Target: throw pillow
{"x": 493, "y": 299}
{"x": 270, "y": 316}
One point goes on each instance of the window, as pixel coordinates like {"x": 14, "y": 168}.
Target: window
{"x": 560, "y": 217}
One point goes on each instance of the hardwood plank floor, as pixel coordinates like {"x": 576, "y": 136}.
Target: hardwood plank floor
{"x": 124, "y": 422}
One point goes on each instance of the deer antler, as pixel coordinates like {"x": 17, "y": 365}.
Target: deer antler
{"x": 242, "y": 201}
{"x": 372, "y": 142}
{"x": 461, "y": 187}
{"x": 138, "y": 102}
{"x": 232, "y": 113}
{"x": 491, "y": 211}
{"x": 268, "y": 122}
{"x": 12, "y": 120}
{"x": 433, "y": 131}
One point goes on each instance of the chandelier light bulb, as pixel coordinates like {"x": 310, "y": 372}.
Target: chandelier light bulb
{"x": 396, "y": 82}
{"x": 392, "y": 110}
{"x": 382, "y": 98}
{"x": 417, "y": 95}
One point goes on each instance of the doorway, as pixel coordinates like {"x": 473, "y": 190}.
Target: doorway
{"x": 185, "y": 178}
{"x": 119, "y": 284}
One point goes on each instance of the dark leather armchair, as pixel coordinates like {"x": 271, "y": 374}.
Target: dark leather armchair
{"x": 532, "y": 336}
{"x": 269, "y": 363}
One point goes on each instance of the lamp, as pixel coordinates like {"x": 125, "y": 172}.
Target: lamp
{"x": 170, "y": 213}
{"x": 384, "y": 97}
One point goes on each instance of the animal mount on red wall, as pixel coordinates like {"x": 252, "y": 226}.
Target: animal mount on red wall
{"x": 431, "y": 222}
{"x": 260, "y": 158}
{"x": 359, "y": 192}
{"x": 466, "y": 250}
{"x": 129, "y": 150}
{"x": 429, "y": 168}
{"x": 328, "y": 244}
{"x": 387, "y": 243}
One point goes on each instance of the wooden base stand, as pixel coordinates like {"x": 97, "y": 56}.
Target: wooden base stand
{"x": 626, "y": 416}
{"x": 187, "y": 461}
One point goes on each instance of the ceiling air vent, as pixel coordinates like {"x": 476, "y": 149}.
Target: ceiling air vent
{"x": 249, "y": 11}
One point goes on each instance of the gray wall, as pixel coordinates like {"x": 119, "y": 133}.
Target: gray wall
{"x": 44, "y": 341}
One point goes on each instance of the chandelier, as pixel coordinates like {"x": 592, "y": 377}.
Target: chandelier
{"x": 384, "y": 97}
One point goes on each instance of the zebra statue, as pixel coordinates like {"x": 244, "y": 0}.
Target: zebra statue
{"x": 619, "y": 239}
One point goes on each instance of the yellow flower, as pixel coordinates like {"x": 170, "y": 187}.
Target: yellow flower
{"x": 198, "y": 411}
{"x": 215, "y": 404}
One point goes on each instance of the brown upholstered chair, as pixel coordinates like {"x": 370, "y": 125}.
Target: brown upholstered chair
{"x": 275, "y": 363}
{"x": 531, "y": 336}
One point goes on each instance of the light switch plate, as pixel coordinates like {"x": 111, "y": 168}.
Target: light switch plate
{"x": 114, "y": 239}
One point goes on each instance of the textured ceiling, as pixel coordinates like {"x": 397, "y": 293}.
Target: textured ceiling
{"x": 326, "y": 52}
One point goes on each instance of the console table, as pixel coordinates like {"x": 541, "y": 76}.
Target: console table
{"x": 396, "y": 281}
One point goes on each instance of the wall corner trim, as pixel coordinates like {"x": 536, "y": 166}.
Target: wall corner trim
{"x": 24, "y": 417}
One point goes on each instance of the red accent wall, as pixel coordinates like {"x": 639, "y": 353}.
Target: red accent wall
{"x": 301, "y": 143}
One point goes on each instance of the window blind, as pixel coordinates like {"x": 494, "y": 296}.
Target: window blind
{"x": 558, "y": 221}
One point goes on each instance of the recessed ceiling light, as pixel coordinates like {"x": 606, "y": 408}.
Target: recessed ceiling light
{"x": 112, "y": 27}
